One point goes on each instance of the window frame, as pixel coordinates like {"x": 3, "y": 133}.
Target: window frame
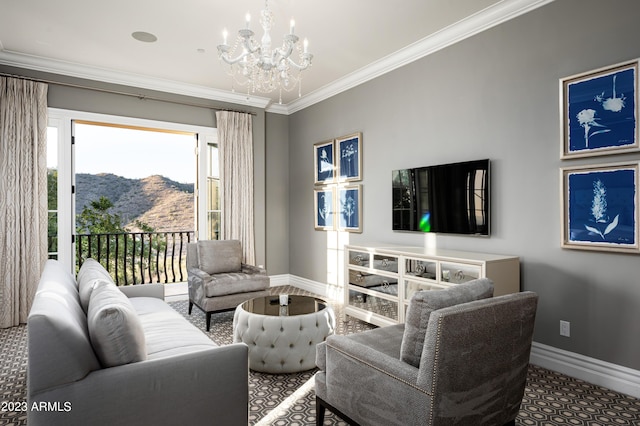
{"x": 63, "y": 120}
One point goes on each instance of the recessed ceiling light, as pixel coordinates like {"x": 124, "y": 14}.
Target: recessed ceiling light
{"x": 144, "y": 36}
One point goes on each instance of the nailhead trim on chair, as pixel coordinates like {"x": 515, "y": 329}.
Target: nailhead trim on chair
{"x": 436, "y": 358}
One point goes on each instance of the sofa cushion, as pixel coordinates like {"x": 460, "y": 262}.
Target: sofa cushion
{"x": 167, "y": 333}
{"x": 116, "y": 333}
{"x": 426, "y": 301}
{"x": 90, "y": 271}
{"x": 217, "y": 257}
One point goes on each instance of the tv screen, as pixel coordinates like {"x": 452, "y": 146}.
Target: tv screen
{"x": 446, "y": 198}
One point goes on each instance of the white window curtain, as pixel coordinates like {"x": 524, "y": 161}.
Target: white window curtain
{"x": 235, "y": 139}
{"x": 23, "y": 195}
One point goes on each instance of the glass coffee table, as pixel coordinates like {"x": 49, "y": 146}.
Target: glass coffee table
{"x": 283, "y": 338}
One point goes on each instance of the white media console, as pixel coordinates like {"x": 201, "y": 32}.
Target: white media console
{"x": 381, "y": 278}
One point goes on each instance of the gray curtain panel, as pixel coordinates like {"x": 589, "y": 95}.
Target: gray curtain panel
{"x": 23, "y": 195}
{"x": 235, "y": 138}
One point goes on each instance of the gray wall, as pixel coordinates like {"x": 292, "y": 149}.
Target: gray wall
{"x": 494, "y": 95}
{"x": 277, "y": 203}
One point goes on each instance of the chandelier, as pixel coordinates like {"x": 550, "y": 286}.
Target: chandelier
{"x": 260, "y": 67}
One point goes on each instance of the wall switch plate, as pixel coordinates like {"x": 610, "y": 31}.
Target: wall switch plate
{"x": 565, "y": 328}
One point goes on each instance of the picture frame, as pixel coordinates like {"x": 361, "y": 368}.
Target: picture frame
{"x": 349, "y": 157}
{"x": 349, "y": 204}
{"x": 324, "y": 202}
{"x": 599, "y": 111}
{"x": 324, "y": 162}
{"x": 600, "y": 207}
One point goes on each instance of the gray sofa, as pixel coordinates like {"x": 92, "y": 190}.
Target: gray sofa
{"x": 461, "y": 358}
{"x": 99, "y": 357}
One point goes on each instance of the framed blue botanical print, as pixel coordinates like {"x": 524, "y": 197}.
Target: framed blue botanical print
{"x": 324, "y": 208}
{"x": 349, "y": 157}
{"x": 349, "y": 201}
{"x": 600, "y": 111}
{"x": 324, "y": 162}
{"x": 600, "y": 207}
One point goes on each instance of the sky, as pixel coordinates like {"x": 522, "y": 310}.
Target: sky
{"x": 134, "y": 154}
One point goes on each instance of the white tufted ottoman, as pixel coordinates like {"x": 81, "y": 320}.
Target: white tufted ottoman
{"x": 282, "y": 339}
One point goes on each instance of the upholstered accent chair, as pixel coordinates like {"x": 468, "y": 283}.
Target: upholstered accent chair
{"x": 461, "y": 358}
{"x": 217, "y": 278}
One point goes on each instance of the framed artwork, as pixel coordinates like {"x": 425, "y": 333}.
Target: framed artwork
{"x": 324, "y": 200}
{"x": 599, "y": 111}
{"x": 349, "y": 157}
{"x": 350, "y": 208}
{"x": 324, "y": 162}
{"x": 600, "y": 207}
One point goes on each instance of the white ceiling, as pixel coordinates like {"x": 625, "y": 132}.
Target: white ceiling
{"x": 352, "y": 40}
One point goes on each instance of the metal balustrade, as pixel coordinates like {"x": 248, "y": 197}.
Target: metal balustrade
{"x": 138, "y": 257}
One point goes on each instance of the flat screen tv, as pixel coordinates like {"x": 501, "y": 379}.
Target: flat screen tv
{"x": 446, "y": 198}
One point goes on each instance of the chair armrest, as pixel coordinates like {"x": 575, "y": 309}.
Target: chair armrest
{"x": 372, "y": 387}
{"x": 366, "y": 361}
{"x": 198, "y": 273}
{"x": 143, "y": 290}
{"x": 251, "y": 269}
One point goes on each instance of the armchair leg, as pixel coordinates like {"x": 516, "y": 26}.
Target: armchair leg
{"x": 190, "y": 306}
{"x": 208, "y": 320}
{"x": 321, "y": 405}
{"x": 319, "y": 412}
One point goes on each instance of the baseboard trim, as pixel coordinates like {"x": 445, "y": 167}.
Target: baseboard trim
{"x": 601, "y": 373}
{"x": 279, "y": 280}
{"x": 321, "y": 289}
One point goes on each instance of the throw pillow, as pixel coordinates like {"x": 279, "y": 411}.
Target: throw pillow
{"x": 217, "y": 257}
{"x": 115, "y": 330}
{"x": 426, "y": 301}
{"x": 90, "y": 272}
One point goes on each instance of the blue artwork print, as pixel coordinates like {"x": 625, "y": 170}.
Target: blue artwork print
{"x": 349, "y": 153}
{"x": 601, "y": 111}
{"x": 324, "y": 162}
{"x": 349, "y": 208}
{"x": 602, "y": 207}
{"x": 324, "y": 214}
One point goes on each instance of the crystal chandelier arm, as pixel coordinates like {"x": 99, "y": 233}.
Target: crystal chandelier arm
{"x": 249, "y": 47}
{"x": 306, "y": 62}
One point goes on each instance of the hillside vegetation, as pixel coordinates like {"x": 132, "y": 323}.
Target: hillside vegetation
{"x": 157, "y": 201}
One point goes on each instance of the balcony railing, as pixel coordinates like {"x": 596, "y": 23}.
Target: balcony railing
{"x": 138, "y": 257}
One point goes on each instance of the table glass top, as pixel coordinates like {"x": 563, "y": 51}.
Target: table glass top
{"x": 296, "y": 305}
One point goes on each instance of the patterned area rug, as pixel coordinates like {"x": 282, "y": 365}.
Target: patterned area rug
{"x": 288, "y": 399}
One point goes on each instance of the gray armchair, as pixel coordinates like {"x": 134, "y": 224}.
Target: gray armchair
{"x": 461, "y": 358}
{"x": 217, "y": 278}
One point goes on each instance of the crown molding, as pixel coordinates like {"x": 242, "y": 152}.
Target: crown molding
{"x": 483, "y": 20}
{"x": 128, "y": 79}
{"x": 496, "y": 14}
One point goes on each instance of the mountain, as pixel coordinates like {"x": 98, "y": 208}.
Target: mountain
{"x": 160, "y": 202}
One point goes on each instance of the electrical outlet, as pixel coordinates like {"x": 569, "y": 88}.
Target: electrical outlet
{"x": 565, "y": 328}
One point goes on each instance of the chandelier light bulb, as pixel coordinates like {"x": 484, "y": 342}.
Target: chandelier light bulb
{"x": 254, "y": 63}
